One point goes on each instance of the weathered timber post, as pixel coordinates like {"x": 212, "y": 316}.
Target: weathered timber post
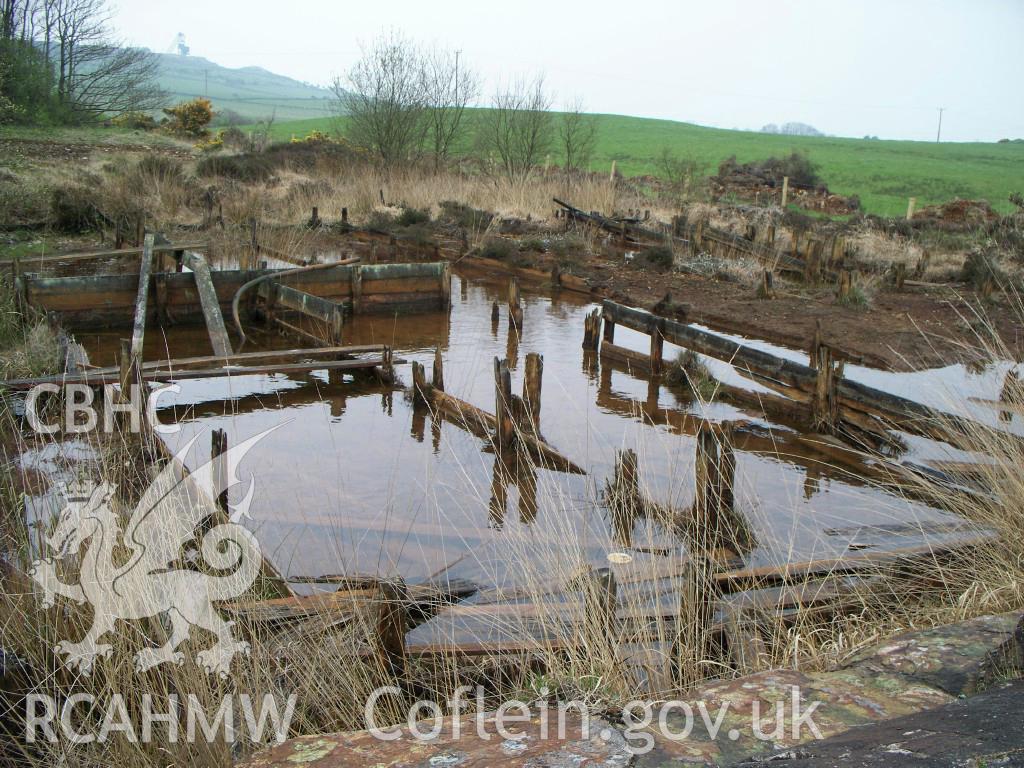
{"x": 387, "y": 369}
{"x": 495, "y": 312}
{"x": 609, "y": 330}
{"x": 419, "y": 383}
{"x": 344, "y": 215}
{"x": 357, "y": 288}
{"x": 706, "y": 495}
{"x": 438, "y": 380}
{"x": 694, "y": 645}
{"x": 769, "y": 235}
{"x": 140, "y": 230}
{"x": 911, "y": 204}
{"x": 785, "y": 192}
{"x": 532, "y": 387}
{"x": 624, "y": 495}
{"x": 922, "y": 265}
{"x": 825, "y": 400}
{"x": 592, "y": 330}
{"x": 600, "y": 598}
{"x": 503, "y": 404}
{"x": 611, "y": 176}
{"x": 515, "y": 307}
{"x": 337, "y": 323}
{"x": 767, "y": 290}
{"x": 899, "y": 275}
{"x": 843, "y": 289}
{"x": 657, "y": 345}
{"x": 392, "y": 624}
{"x": 314, "y": 219}
{"x": 727, "y": 478}
{"x": 444, "y": 279}
{"x": 219, "y": 474}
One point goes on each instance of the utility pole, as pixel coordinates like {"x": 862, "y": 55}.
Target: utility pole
{"x": 938, "y": 135}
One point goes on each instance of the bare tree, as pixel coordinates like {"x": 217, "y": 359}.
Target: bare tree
{"x": 577, "y": 135}
{"x": 448, "y": 90}
{"x": 384, "y": 100}
{"x": 517, "y": 128}
{"x": 92, "y": 73}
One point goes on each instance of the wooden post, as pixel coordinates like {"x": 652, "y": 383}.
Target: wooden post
{"x": 387, "y": 369}
{"x": 515, "y": 308}
{"x": 337, "y": 323}
{"x": 357, "y": 288}
{"x": 625, "y": 499}
{"x": 495, "y": 312}
{"x": 592, "y": 330}
{"x": 843, "y": 289}
{"x": 911, "y": 204}
{"x": 899, "y": 275}
{"x": 141, "y": 297}
{"x": 767, "y": 285}
{"x": 503, "y": 404}
{"x": 726, "y": 474}
{"x": 392, "y": 624}
{"x": 314, "y": 219}
{"x": 532, "y": 387}
{"x": 707, "y": 521}
{"x": 219, "y": 474}
{"x": 419, "y": 383}
{"x": 344, "y": 215}
{"x": 438, "y": 380}
{"x": 825, "y": 401}
{"x": 657, "y": 347}
{"x": 125, "y": 375}
{"x": 922, "y": 265}
{"x": 609, "y": 330}
{"x": 785, "y": 192}
{"x": 601, "y": 597}
{"x": 611, "y": 176}
{"x": 445, "y": 281}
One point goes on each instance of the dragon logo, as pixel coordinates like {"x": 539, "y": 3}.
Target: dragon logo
{"x": 137, "y": 573}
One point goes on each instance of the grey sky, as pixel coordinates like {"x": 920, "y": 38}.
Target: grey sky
{"x": 848, "y": 67}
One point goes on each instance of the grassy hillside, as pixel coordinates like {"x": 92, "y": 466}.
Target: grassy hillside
{"x": 883, "y": 173}
{"x": 252, "y": 92}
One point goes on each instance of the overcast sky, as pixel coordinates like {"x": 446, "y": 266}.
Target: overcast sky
{"x": 847, "y": 67}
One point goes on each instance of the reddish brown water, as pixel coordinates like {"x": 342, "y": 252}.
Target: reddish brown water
{"x": 358, "y": 481}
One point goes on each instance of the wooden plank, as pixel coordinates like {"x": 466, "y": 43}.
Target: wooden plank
{"x": 900, "y": 412}
{"x": 68, "y": 258}
{"x": 145, "y": 269}
{"x": 305, "y": 303}
{"x": 211, "y": 305}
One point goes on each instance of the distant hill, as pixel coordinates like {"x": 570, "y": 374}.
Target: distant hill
{"x": 251, "y": 93}
{"x": 792, "y": 129}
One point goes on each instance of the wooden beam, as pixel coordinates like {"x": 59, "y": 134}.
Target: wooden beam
{"x": 145, "y": 269}
{"x": 211, "y": 305}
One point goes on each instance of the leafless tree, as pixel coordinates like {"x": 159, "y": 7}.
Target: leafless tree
{"x": 448, "y": 89}
{"x": 577, "y": 135}
{"x": 93, "y": 74}
{"x": 384, "y": 101}
{"x": 517, "y": 128}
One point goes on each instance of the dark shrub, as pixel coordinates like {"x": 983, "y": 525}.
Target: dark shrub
{"x": 464, "y": 216}
{"x": 248, "y": 169}
{"x": 659, "y": 257}
{"x": 410, "y": 217}
{"x": 160, "y": 168}
{"x": 499, "y": 248}
{"x": 73, "y": 210}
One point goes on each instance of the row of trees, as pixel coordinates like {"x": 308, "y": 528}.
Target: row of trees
{"x": 406, "y": 104}
{"x": 59, "y": 62}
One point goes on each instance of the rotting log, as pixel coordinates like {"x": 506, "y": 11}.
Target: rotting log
{"x": 211, "y": 305}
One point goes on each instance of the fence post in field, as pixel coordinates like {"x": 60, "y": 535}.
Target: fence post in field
{"x": 911, "y": 204}
{"x": 592, "y": 330}
{"x": 611, "y": 176}
{"x": 785, "y": 191}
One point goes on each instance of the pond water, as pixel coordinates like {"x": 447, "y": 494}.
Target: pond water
{"x": 357, "y": 480}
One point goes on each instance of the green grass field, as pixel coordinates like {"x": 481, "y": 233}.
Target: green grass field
{"x": 883, "y": 173}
